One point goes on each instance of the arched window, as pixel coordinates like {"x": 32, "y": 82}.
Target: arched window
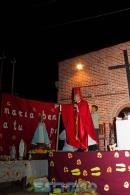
{"x": 124, "y": 112}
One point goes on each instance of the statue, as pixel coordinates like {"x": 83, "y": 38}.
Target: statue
{"x": 13, "y": 152}
{"x": 41, "y": 136}
{"x": 22, "y": 149}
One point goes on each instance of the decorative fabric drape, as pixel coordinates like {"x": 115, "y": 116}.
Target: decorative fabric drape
{"x": 79, "y": 126}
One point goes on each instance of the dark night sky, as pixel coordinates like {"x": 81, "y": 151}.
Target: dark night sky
{"x": 43, "y": 32}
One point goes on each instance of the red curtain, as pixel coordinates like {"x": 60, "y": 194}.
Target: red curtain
{"x": 69, "y": 117}
{"x": 78, "y": 125}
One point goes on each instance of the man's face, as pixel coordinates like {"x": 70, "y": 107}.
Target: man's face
{"x": 77, "y": 98}
{"x": 93, "y": 109}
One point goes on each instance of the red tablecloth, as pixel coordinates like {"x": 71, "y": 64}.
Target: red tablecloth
{"x": 109, "y": 170}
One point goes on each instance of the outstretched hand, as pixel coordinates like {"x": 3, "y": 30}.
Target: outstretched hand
{"x": 76, "y": 107}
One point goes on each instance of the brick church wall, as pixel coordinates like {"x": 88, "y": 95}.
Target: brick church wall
{"x": 106, "y": 88}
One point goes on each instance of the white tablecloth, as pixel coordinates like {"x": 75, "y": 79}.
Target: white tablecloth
{"x": 16, "y": 170}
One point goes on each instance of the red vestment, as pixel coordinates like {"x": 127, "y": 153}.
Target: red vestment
{"x": 86, "y": 127}
{"x": 68, "y": 116}
{"x": 78, "y": 136}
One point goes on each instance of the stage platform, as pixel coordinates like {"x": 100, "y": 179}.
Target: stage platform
{"x": 110, "y": 171}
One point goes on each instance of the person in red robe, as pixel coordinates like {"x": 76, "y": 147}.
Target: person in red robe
{"x": 86, "y": 132}
{"x": 78, "y": 123}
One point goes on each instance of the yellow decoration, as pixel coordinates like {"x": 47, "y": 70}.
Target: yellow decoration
{"x": 76, "y": 172}
{"x": 51, "y": 163}
{"x": 120, "y": 167}
{"x": 116, "y": 154}
{"x": 53, "y": 180}
{"x": 106, "y": 187}
{"x": 39, "y": 151}
{"x": 51, "y": 154}
{"x": 129, "y": 168}
{"x": 95, "y": 171}
{"x": 70, "y": 155}
{"x": 127, "y": 154}
{"x": 112, "y": 147}
{"x": 57, "y": 191}
{"x": 31, "y": 180}
{"x": 99, "y": 155}
{"x": 66, "y": 170}
{"x": 78, "y": 162}
{"x": 84, "y": 187}
{"x": 85, "y": 173}
{"x": 109, "y": 170}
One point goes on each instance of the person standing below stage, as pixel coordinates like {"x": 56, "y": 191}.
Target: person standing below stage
{"x": 95, "y": 118}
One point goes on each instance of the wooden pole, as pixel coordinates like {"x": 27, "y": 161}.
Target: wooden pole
{"x": 58, "y": 128}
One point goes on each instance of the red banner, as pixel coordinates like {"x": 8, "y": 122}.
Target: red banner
{"x": 19, "y": 119}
